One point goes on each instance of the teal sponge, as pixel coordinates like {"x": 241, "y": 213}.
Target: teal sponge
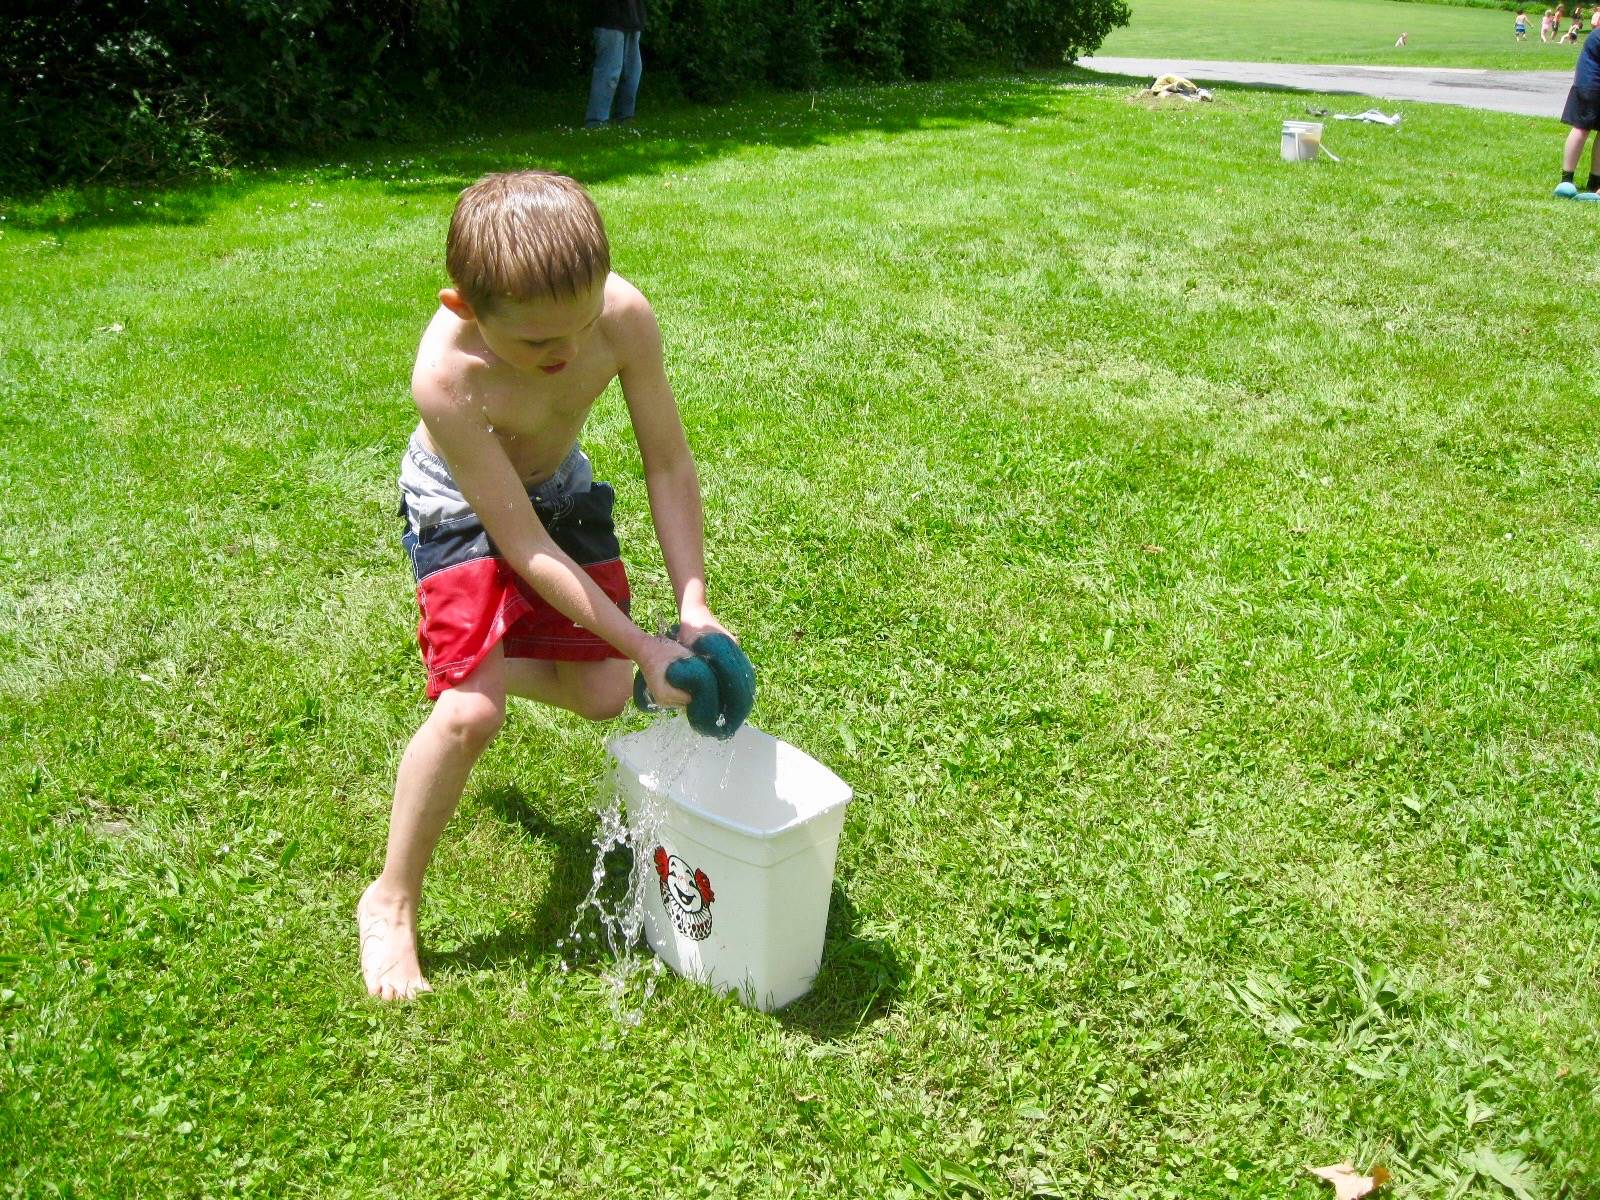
{"x": 692, "y": 675}
{"x": 720, "y": 681}
{"x": 736, "y": 679}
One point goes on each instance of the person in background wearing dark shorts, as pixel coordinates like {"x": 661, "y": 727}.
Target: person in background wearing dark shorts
{"x": 1582, "y": 113}
{"x": 617, "y": 65}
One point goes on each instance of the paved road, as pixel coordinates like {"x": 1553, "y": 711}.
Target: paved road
{"x": 1531, "y": 93}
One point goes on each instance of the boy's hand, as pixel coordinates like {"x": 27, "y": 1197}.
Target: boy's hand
{"x": 694, "y": 622}
{"x": 658, "y": 654}
{"x": 720, "y": 680}
{"x": 691, "y": 676}
{"x": 730, "y": 666}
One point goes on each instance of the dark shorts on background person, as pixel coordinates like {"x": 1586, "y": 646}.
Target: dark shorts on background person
{"x": 1582, "y": 109}
{"x": 471, "y": 600}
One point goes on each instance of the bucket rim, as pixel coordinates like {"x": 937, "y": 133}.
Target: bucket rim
{"x": 672, "y": 795}
{"x": 749, "y": 831}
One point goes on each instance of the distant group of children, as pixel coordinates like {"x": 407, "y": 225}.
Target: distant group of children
{"x": 1550, "y": 25}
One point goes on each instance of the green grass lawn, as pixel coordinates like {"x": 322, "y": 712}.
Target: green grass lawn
{"x": 1188, "y": 557}
{"x": 1337, "y": 31}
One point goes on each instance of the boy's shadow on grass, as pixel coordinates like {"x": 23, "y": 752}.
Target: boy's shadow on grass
{"x": 534, "y": 938}
{"x": 861, "y": 977}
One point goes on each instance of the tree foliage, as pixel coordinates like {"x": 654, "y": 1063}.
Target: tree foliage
{"x": 146, "y": 88}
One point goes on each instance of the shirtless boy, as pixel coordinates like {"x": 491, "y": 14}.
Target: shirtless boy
{"x": 519, "y": 578}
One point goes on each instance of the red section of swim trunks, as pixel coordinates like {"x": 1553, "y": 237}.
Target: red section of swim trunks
{"x": 468, "y": 608}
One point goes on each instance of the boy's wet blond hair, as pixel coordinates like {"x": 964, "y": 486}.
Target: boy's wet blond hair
{"x": 525, "y": 235}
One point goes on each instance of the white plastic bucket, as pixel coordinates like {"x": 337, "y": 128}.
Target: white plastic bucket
{"x": 740, "y": 871}
{"x": 1300, "y": 140}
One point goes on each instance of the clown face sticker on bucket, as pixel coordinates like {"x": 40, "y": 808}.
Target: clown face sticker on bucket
{"x": 685, "y": 894}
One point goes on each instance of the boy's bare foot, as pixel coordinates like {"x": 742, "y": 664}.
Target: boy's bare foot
{"x": 388, "y": 929}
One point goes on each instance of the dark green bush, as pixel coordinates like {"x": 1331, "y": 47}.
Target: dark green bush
{"x": 869, "y": 36}
{"x": 794, "y": 44}
{"x": 709, "y": 46}
{"x": 107, "y": 89}
{"x": 1043, "y": 33}
{"x": 938, "y": 39}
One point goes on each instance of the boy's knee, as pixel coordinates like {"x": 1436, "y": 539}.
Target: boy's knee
{"x": 600, "y": 704}
{"x": 601, "y": 693}
{"x": 470, "y": 718}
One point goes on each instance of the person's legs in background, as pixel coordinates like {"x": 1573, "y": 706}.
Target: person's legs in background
{"x": 1589, "y": 191}
{"x": 628, "y": 85}
{"x": 608, "y": 62}
{"x": 1572, "y": 149}
{"x": 1571, "y": 153}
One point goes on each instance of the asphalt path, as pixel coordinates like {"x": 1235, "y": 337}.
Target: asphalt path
{"x": 1531, "y": 93}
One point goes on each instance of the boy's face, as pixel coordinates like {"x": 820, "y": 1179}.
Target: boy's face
{"x": 541, "y": 335}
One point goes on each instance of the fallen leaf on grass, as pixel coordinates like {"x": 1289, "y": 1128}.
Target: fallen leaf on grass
{"x": 1348, "y": 1183}
{"x": 1152, "y": 548}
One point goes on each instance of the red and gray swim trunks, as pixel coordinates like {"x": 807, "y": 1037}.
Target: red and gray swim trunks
{"x": 471, "y": 599}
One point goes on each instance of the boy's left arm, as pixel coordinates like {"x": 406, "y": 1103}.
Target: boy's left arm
{"x": 669, "y": 472}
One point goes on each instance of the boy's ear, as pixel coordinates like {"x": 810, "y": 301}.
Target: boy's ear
{"x": 457, "y": 304}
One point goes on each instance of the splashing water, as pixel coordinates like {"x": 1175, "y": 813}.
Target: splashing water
{"x": 630, "y": 972}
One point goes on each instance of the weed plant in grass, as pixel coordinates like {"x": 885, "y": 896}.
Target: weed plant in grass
{"x": 1187, "y": 556}
{"x": 1337, "y": 31}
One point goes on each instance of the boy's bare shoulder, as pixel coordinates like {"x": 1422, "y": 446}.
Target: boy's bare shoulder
{"x": 445, "y": 374}
{"x": 630, "y": 321}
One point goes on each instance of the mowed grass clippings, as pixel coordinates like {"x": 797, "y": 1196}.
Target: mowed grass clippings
{"x": 1361, "y": 32}
{"x": 1187, "y": 557}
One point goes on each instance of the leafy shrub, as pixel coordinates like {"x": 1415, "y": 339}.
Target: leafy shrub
{"x": 103, "y": 88}
{"x": 711, "y": 47}
{"x": 938, "y": 39}
{"x": 794, "y": 44}
{"x": 1043, "y": 33}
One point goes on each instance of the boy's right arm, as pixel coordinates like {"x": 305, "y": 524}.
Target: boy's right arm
{"x": 461, "y": 433}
